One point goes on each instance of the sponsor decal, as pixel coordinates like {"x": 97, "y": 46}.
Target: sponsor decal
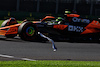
{"x": 61, "y": 27}
{"x": 75, "y": 28}
{"x": 75, "y": 19}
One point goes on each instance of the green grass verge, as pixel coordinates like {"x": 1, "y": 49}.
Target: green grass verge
{"x": 49, "y": 64}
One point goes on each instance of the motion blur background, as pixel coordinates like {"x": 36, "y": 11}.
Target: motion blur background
{"x": 33, "y": 9}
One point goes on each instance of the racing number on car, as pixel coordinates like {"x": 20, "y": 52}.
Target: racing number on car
{"x": 75, "y": 28}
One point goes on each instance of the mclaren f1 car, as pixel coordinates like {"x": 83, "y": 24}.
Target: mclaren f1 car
{"x": 71, "y": 26}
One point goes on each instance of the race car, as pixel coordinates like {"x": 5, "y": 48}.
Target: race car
{"x": 72, "y": 26}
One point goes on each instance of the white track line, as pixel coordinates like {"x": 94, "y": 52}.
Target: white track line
{"x": 7, "y": 56}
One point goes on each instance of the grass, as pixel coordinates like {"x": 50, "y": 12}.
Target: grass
{"x": 49, "y": 64}
{"x": 1, "y": 22}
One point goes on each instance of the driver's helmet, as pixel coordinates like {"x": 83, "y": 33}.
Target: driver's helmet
{"x": 67, "y": 12}
{"x": 59, "y": 19}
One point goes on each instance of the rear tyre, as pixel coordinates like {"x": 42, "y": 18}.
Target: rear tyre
{"x": 27, "y": 31}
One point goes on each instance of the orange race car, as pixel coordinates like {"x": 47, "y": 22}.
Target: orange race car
{"x": 72, "y": 26}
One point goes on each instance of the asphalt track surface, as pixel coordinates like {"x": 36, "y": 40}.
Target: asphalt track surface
{"x": 77, "y": 51}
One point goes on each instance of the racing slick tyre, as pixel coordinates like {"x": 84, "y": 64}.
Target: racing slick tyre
{"x": 27, "y": 31}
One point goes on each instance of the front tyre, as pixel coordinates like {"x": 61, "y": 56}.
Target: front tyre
{"x": 27, "y": 31}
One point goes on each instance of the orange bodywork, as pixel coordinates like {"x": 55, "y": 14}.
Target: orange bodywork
{"x": 12, "y": 29}
{"x": 60, "y": 27}
{"x": 93, "y": 27}
{"x": 47, "y": 18}
{"x": 73, "y": 15}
